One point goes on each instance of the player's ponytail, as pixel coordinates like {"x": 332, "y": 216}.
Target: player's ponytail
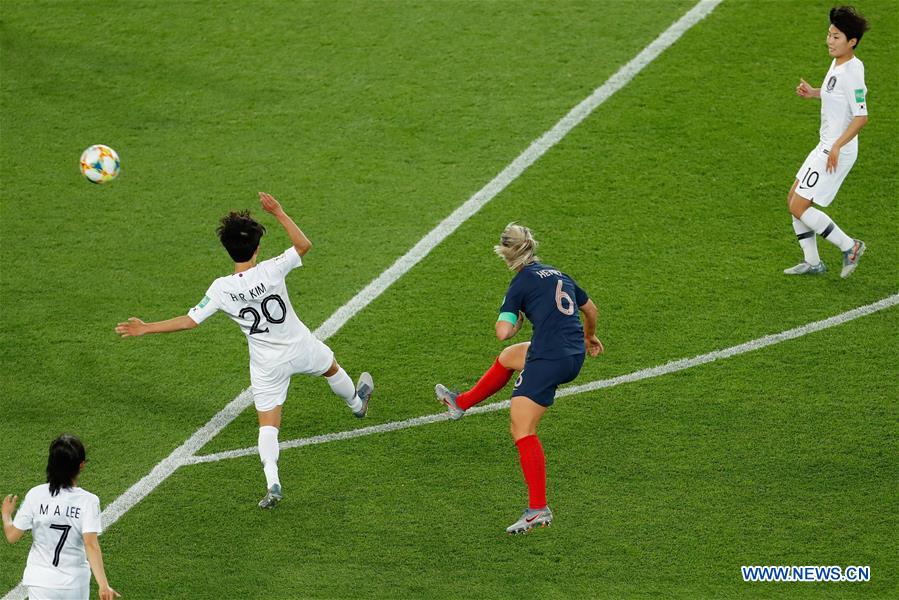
{"x": 517, "y": 246}
{"x": 64, "y": 463}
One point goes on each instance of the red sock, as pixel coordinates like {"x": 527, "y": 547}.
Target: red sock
{"x": 533, "y": 465}
{"x": 495, "y": 379}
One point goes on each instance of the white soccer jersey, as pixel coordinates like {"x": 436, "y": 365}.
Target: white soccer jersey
{"x": 57, "y": 558}
{"x": 843, "y": 95}
{"x": 257, "y": 300}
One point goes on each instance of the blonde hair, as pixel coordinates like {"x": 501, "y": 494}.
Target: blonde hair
{"x": 517, "y": 246}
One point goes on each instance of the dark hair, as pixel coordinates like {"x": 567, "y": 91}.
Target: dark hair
{"x": 847, "y": 20}
{"x": 240, "y": 235}
{"x": 64, "y": 462}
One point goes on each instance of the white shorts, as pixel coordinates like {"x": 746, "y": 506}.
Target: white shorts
{"x": 46, "y": 593}
{"x": 270, "y": 384}
{"x": 815, "y": 183}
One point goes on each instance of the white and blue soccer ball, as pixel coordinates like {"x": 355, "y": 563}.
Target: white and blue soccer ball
{"x": 100, "y": 164}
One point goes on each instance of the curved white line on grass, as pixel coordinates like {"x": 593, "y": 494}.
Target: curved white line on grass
{"x": 670, "y": 367}
{"x": 161, "y": 471}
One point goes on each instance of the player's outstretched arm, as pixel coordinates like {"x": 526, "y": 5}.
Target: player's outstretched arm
{"x": 297, "y": 237}
{"x": 804, "y": 90}
{"x": 592, "y": 343}
{"x": 95, "y": 559}
{"x": 13, "y": 534}
{"x": 134, "y": 327}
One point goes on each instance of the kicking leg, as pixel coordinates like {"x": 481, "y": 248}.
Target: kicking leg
{"x": 497, "y": 376}
{"x": 356, "y": 397}
{"x": 824, "y": 226}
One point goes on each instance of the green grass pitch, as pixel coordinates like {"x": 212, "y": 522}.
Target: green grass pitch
{"x": 371, "y": 122}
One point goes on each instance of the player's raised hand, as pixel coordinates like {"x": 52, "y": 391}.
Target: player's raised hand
{"x": 132, "y": 328}
{"x": 594, "y": 346}
{"x": 804, "y": 90}
{"x": 269, "y": 204}
{"x": 9, "y": 506}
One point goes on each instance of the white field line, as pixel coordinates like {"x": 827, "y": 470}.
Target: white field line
{"x": 164, "y": 469}
{"x": 537, "y": 148}
{"x": 670, "y": 367}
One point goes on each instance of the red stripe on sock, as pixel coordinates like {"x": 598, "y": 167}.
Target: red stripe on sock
{"x": 533, "y": 465}
{"x": 495, "y": 379}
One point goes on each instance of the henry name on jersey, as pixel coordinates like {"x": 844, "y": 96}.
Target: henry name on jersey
{"x": 544, "y": 273}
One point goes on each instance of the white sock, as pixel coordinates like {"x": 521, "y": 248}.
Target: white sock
{"x": 342, "y": 385}
{"x": 807, "y": 242}
{"x": 826, "y": 228}
{"x": 268, "y": 453}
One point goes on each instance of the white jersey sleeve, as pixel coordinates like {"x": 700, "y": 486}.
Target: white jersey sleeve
{"x": 25, "y": 517}
{"x": 92, "y": 522}
{"x": 286, "y": 262}
{"x": 207, "y": 307}
{"x": 856, "y": 92}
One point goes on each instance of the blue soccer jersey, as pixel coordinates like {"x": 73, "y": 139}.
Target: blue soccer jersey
{"x": 550, "y": 300}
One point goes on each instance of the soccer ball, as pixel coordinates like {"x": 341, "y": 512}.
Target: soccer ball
{"x": 100, "y": 164}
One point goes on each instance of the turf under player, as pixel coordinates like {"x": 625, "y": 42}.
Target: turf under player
{"x": 844, "y": 111}
{"x": 255, "y": 297}
{"x": 550, "y": 299}
{"x": 64, "y": 521}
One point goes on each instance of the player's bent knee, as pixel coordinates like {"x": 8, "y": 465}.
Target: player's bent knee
{"x": 520, "y": 430}
{"x": 513, "y": 357}
{"x": 517, "y": 434}
{"x": 505, "y": 357}
{"x": 798, "y": 206}
{"x": 332, "y": 370}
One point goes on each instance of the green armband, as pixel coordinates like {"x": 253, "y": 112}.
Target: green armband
{"x": 508, "y": 317}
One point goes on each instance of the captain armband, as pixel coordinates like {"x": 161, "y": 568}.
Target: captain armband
{"x": 508, "y": 317}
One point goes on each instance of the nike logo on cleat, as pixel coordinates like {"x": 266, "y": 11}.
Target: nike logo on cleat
{"x": 531, "y": 519}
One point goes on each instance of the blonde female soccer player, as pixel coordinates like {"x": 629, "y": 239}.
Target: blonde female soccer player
{"x": 64, "y": 521}
{"x": 551, "y": 300}
{"x": 844, "y": 111}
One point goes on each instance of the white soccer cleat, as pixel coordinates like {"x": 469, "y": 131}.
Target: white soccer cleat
{"x": 272, "y": 497}
{"x": 804, "y": 268}
{"x": 364, "y": 388}
{"x": 530, "y": 518}
{"x": 851, "y": 256}
{"x": 448, "y": 399}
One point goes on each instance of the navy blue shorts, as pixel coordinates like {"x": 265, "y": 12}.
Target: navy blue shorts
{"x": 541, "y": 376}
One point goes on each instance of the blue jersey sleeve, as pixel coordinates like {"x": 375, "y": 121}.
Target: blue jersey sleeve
{"x": 580, "y": 296}
{"x": 513, "y": 302}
